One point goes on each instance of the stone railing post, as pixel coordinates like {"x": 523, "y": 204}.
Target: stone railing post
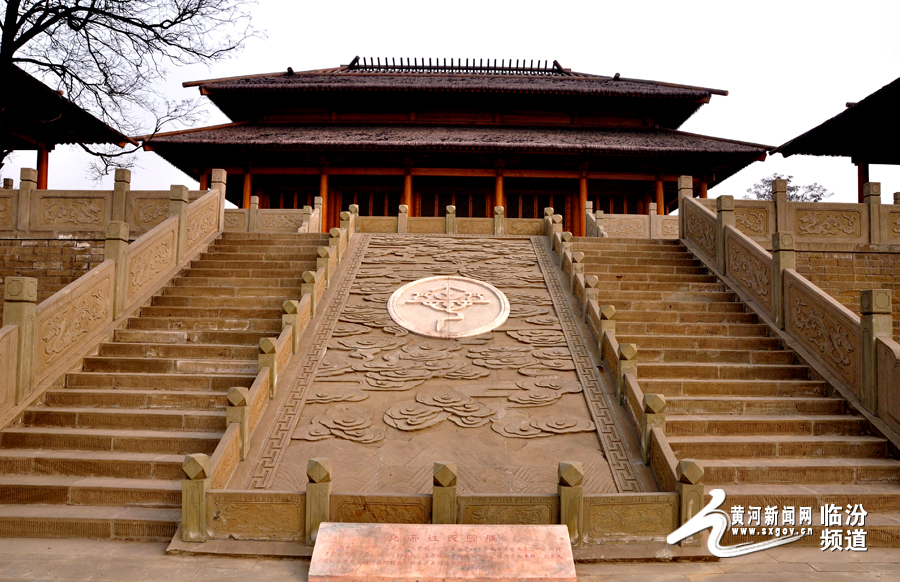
{"x": 875, "y": 307}
{"x": 607, "y": 321}
{"x": 627, "y": 365}
{"x": 571, "y": 500}
{"x": 556, "y": 224}
{"x": 780, "y": 198}
{"x": 872, "y": 198}
{"x": 27, "y": 185}
{"x": 178, "y": 203}
{"x": 591, "y": 293}
{"x": 654, "y": 416}
{"x": 317, "y": 225}
{"x": 290, "y": 316}
{"x": 565, "y": 244}
{"x": 783, "y": 257}
{"x": 334, "y": 242}
{"x": 196, "y": 470}
{"x": 268, "y": 358}
{"x": 576, "y": 268}
{"x": 309, "y": 287}
{"x": 548, "y": 221}
{"x": 218, "y": 181}
{"x": 403, "y": 219}
{"x": 690, "y": 493}
{"x": 450, "y": 220}
{"x": 19, "y": 308}
{"x": 655, "y": 222}
{"x": 354, "y": 220}
{"x": 318, "y": 496}
{"x": 116, "y": 248}
{"x": 724, "y": 217}
{"x": 324, "y": 260}
{"x": 443, "y": 493}
{"x": 236, "y": 411}
{"x": 499, "y": 220}
{"x": 254, "y": 213}
{"x": 685, "y": 190}
{"x": 121, "y": 187}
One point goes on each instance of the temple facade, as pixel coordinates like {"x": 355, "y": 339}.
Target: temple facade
{"x": 429, "y": 133}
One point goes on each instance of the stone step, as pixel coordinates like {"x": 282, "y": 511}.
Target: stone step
{"x": 259, "y": 273}
{"x": 168, "y": 365}
{"x": 723, "y": 317}
{"x": 747, "y": 424}
{"x": 285, "y": 282}
{"x": 754, "y": 405}
{"x": 626, "y": 243}
{"x": 219, "y": 302}
{"x": 183, "y": 351}
{"x": 205, "y": 324}
{"x": 184, "y": 337}
{"x": 720, "y": 356}
{"x": 166, "y": 399}
{"x": 696, "y": 371}
{"x": 799, "y": 470}
{"x": 154, "y": 419}
{"x": 699, "y": 342}
{"x": 290, "y": 236}
{"x": 268, "y": 246}
{"x": 201, "y": 291}
{"x": 606, "y": 297}
{"x": 130, "y": 441}
{"x": 189, "y": 382}
{"x": 727, "y": 447}
{"x": 874, "y": 497}
{"x": 307, "y": 264}
{"x": 211, "y": 312}
{"x": 634, "y": 254}
{"x": 649, "y": 277}
{"x": 637, "y": 265}
{"x": 225, "y": 257}
{"x": 693, "y": 329}
{"x": 743, "y": 388}
{"x": 91, "y": 463}
{"x": 71, "y": 490}
{"x": 631, "y": 304}
{"x": 73, "y": 521}
{"x": 622, "y": 284}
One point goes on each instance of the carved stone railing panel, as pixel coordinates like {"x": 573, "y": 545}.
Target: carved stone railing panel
{"x": 523, "y": 226}
{"x": 236, "y": 220}
{"x": 380, "y": 224}
{"x": 887, "y": 353}
{"x": 828, "y": 329}
{"x": 144, "y": 209}
{"x": 626, "y": 226}
{"x": 476, "y": 225}
{"x": 669, "y": 227}
{"x": 755, "y": 218}
{"x": 652, "y": 515}
{"x": 751, "y": 266}
{"x": 817, "y": 222}
{"x": 256, "y": 515}
{"x": 508, "y": 509}
{"x": 72, "y": 315}
{"x": 890, "y": 223}
{"x": 700, "y": 228}
{"x": 9, "y": 337}
{"x": 281, "y": 220}
{"x": 9, "y": 207}
{"x": 226, "y": 457}
{"x": 150, "y": 258}
{"x": 380, "y": 508}
{"x": 76, "y": 210}
{"x": 202, "y": 219}
{"x": 426, "y": 225}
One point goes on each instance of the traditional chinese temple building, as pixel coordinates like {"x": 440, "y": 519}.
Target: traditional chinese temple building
{"x": 475, "y": 134}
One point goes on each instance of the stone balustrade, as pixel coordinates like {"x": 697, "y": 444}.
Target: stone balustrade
{"x": 301, "y": 220}
{"x": 450, "y": 223}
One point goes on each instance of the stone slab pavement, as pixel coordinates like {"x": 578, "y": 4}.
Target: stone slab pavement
{"x": 75, "y": 560}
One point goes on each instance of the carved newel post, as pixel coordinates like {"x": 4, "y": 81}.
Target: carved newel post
{"x": 875, "y": 307}
{"x": 403, "y": 219}
{"x": 318, "y": 496}
{"x": 237, "y": 399}
{"x": 178, "y": 203}
{"x": 116, "y": 248}
{"x": 19, "y": 307}
{"x": 196, "y": 468}
{"x": 653, "y": 416}
{"x": 335, "y": 239}
{"x": 627, "y": 365}
{"x": 291, "y": 316}
{"x": 783, "y": 257}
{"x": 690, "y": 493}
{"x": 323, "y": 259}
{"x": 607, "y": 320}
{"x": 308, "y": 287}
{"x": 725, "y": 217}
{"x": 450, "y": 220}
{"x": 121, "y": 187}
{"x": 571, "y": 500}
{"x": 443, "y": 494}
{"x": 499, "y": 220}
{"x": 685, "y": 190}
{"x": 268, "y": 358}
{"x": 872, "y": 199}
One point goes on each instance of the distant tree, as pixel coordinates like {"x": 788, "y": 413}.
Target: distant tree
{"x": 108, "y": 56}
{"x": 762, "y": 190}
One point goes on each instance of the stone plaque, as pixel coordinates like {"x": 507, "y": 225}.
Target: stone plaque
{"x": 353, "y": 552}
{"x": 448, "y": 307}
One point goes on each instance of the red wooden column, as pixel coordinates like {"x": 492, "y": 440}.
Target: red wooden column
{"x": 499, "y": 199}
{"x": 703, "y": 193}
{"x": 204, "y": 180}
{"x": 43, "y": 163}
{"x": 326, "y": 203}
{"x": 660, "y": 198}
{"x": 582, "y": 202}
{"x": 862, "y": 173}
{"x": 248, "y": 188}
{"x": 407, "y": 196}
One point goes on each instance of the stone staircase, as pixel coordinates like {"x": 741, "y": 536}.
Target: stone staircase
{"x": 54, "y": 263}
{"x": 101, "y": 457}
{"x": 766, "y": 429}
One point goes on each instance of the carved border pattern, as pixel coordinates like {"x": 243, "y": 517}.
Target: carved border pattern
{"x": 828, "y": 223}
{"x": 279, "y": 436}
{"x": 626, "y": 226}
{"x": 754, "y": 274}
{"x": 144, "y": 267}
{"x": 752, "y": 222}
{"x": 202, "y": 222}
{"x": 607, "y": 430}
{"x": 701, "y": 231}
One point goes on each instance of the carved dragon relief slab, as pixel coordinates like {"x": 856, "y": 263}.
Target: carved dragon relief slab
{"x": 752, "y": 221}
{"x": 202, "y": 222}
{"x": 6, "y": 215}
{"x": 72, "y": 211}
{"x": 701, "y": 230}
{"x": 378, "y": 385}
{"x": 843, "y": 224}
{"x": 751, "y": 271}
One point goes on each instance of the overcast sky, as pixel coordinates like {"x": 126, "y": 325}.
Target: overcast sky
{"x": 788, "y": 65}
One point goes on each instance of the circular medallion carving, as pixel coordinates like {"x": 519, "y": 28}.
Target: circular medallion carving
{"x": 448, "y": 307}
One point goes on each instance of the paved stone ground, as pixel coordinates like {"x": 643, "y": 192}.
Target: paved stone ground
{"x": 83, "y": 560}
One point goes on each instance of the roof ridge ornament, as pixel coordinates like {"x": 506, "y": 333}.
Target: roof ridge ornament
{"x": 457, "y": 66}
